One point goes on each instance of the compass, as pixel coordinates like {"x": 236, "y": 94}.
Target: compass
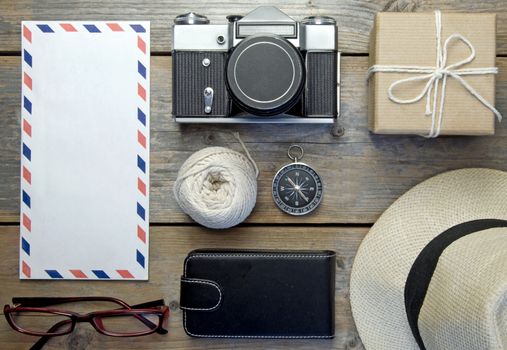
{"x": 297, "y": 188}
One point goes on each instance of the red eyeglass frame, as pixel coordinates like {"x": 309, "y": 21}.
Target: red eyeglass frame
{"x": 155, "y": 307}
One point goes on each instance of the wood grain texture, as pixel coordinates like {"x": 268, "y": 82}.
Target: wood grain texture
{"x": 168, "y": 249}
{"x": 362, "y": 173}
{"x": 354, "y": 17}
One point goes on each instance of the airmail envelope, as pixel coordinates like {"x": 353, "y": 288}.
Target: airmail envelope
{"x": 85, "y": 150}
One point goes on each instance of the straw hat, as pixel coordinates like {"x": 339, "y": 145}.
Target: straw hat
{"x": 432, "y": 272}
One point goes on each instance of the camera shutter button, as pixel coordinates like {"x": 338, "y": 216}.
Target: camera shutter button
{"x": 322, "y": 20}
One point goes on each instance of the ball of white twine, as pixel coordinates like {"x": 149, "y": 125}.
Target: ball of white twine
{"x": 217, "y": 187}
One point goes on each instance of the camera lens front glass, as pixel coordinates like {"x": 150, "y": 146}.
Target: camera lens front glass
{"x": 265, "y": 75}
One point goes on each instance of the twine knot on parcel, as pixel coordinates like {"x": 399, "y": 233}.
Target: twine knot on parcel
{"x": 433, "y": 75}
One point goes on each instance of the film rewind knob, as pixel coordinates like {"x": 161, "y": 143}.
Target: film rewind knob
{"x": 191, "y": 18}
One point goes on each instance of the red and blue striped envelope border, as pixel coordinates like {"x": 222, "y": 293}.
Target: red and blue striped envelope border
{"x": 141, "y": 230}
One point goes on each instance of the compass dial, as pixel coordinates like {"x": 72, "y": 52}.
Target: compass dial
{"x": 297, "y": 189}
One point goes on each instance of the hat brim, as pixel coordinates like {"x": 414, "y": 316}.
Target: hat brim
{"x": 388, "y": 251}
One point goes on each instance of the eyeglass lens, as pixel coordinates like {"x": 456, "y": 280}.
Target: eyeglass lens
{"x": 128, "y": 323}
{"x": 41, "y": 322}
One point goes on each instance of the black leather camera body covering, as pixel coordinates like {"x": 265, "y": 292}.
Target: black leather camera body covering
{"x": 190, "y": 78}
{"x": 258, "y": 294}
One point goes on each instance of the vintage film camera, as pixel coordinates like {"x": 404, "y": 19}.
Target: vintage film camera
{"x": 264, "y": 67}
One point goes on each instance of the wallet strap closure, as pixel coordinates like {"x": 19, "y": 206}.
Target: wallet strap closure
{"x": 200, "y": 295}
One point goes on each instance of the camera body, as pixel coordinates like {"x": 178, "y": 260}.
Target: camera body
{"x": 264, "y": 67}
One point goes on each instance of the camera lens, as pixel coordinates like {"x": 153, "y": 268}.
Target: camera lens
{"x": 265, "y": 75}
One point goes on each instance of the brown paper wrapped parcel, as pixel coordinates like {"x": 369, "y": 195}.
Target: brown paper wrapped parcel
{"x": 433, "y": 73}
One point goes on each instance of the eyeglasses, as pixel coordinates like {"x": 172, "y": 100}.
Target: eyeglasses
{"x": 32, "y": 316}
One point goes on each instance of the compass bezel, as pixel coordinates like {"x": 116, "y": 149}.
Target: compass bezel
{"x": 314, "y": 203}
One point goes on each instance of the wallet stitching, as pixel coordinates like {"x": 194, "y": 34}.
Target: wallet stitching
{"x": 206, "y": 308}
{"x": 274, "y": 256}
{"x": 295, "y": 256}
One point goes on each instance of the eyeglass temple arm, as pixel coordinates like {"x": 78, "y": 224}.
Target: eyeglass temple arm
{"x": 149, "y": 304}
{"x": 47, "y": 301}
{"x": 44, "y": 339}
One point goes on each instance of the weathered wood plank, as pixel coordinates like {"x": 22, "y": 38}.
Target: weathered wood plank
{"x": 362, "y": 173}
{"x": 168, "y": 248}
{"x": 354, "y": 18}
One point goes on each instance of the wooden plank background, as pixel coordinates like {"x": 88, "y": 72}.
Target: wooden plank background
{"x": 362, "y": 173}
{"x": 354, "y": 17}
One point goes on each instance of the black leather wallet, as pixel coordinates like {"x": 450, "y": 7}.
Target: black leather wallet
{"x": 258, "y": 294}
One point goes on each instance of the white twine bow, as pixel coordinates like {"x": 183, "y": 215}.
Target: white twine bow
{"x": 434, "y": 74}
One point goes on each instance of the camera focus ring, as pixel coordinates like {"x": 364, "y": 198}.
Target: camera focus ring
{"x": 265, "y": 75}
